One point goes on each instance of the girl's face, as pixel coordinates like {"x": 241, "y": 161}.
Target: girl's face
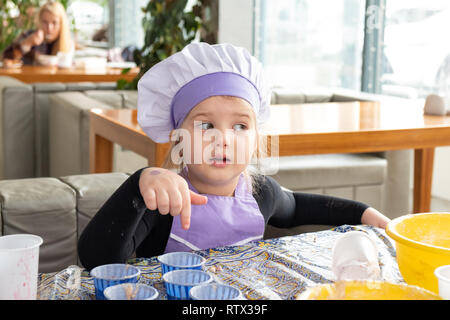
{"x": 222, "y": 132}
{"x": 50, "y": 24}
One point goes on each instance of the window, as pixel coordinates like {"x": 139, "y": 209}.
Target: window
{"x": 306, "y": 43}
{"x": 89, "y": 20}
{"x": 392, "y": 47}
{"x": 416, "y": 50}
{"x": 107, "y": 23}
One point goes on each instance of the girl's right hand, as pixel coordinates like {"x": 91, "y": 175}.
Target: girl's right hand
{"x": 168, "y": 192}
{"x": 34, "y": 39}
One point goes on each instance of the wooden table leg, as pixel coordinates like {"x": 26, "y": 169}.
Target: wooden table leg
{"x": 157, "y": 154}
{"x": 101, "y": 154}
{"x": 423, "y": 178}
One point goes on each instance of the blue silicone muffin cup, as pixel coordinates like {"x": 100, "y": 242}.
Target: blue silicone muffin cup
{"x": 179, "y": 282}
{"x": 215, "y": 291}
{"x": 131, "y": 291}
{"x": 180, "y": 260}
{"x": 112, "y": 274}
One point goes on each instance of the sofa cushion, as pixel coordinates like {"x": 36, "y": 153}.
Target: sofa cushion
{"x": 331, "y": 170}
{"x": 273, "y": 97}
{"x": 80, "y": 86}
{"x": 16, "y": 129}
{"x": 49, "y": 86}
{"x": 319, "y": 95}
{"x": 69, "y": 132}
{"x": 92, "y": 190}
{"x": 348, "y": 98}
{"x": 294, "y": 96}
{"x": 41, "y": 94}
{"x": 117, "y": 99}
{"x": 288, "y": 97}
{"x": 106, "y": 85}
{"x": 130, "y": 98}
{"x": 109, "y": 97}
{"x": 44, "y": 207}
{"x": 317, "y": 98}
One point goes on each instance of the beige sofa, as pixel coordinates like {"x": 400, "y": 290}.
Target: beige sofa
{"x": 24, "y": 113}
{"x": 41, "y": 93}
{"x": 57, "y": 209}
{"x": 16, "y": 129}
{"x": 69, "y": 130}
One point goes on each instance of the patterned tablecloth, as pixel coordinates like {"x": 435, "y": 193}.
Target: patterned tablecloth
{"x": 278, "y": 268}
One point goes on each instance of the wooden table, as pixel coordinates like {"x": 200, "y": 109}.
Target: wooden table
{"x": 32, "y": 74}
{"x": 305, "y": 129}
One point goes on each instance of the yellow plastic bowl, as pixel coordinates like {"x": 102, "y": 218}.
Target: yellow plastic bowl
{"x": 366, "y": 290}
{"x": 422, "y": 244}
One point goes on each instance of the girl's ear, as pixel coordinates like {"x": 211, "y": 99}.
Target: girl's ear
{"x": 174, "y": 157}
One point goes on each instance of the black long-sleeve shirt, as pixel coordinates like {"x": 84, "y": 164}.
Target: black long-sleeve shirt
{"x": 124, "y": 226}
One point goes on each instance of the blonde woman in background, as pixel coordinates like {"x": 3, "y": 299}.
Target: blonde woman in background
{"x": 52, "y": 36}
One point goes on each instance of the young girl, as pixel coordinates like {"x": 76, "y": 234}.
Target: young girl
{"x": 213, "y": 200}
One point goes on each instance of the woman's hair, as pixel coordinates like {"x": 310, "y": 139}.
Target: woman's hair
{"x": 260, "y": 152}
{"x": 63, "y": 42}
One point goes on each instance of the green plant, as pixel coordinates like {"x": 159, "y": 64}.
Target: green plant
{"x": 17, "y": 16}
{"x": 168, "y": 28}
{"x": 65, "y": 3}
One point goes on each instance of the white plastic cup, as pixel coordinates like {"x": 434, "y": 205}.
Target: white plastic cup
{"x": 443, "y": 275}
{"x": 19, "y": 261}
{"x": 355, "y": 257}
{"x": 65, "y": 59}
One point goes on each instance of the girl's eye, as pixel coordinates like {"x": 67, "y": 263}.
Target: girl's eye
{"x": 206, "y": 125}
{"x": 239, "y": 127}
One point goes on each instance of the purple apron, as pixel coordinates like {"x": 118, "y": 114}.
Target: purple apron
{"x": 222, "y": 221}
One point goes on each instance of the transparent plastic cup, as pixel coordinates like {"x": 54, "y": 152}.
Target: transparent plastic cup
{"x": 19, "y": 262}
{"x": 443, "y": 275}
{"x": 355, "y": 257}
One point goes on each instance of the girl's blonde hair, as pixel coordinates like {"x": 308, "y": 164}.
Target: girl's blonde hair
{"x": 64, "y": 42}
